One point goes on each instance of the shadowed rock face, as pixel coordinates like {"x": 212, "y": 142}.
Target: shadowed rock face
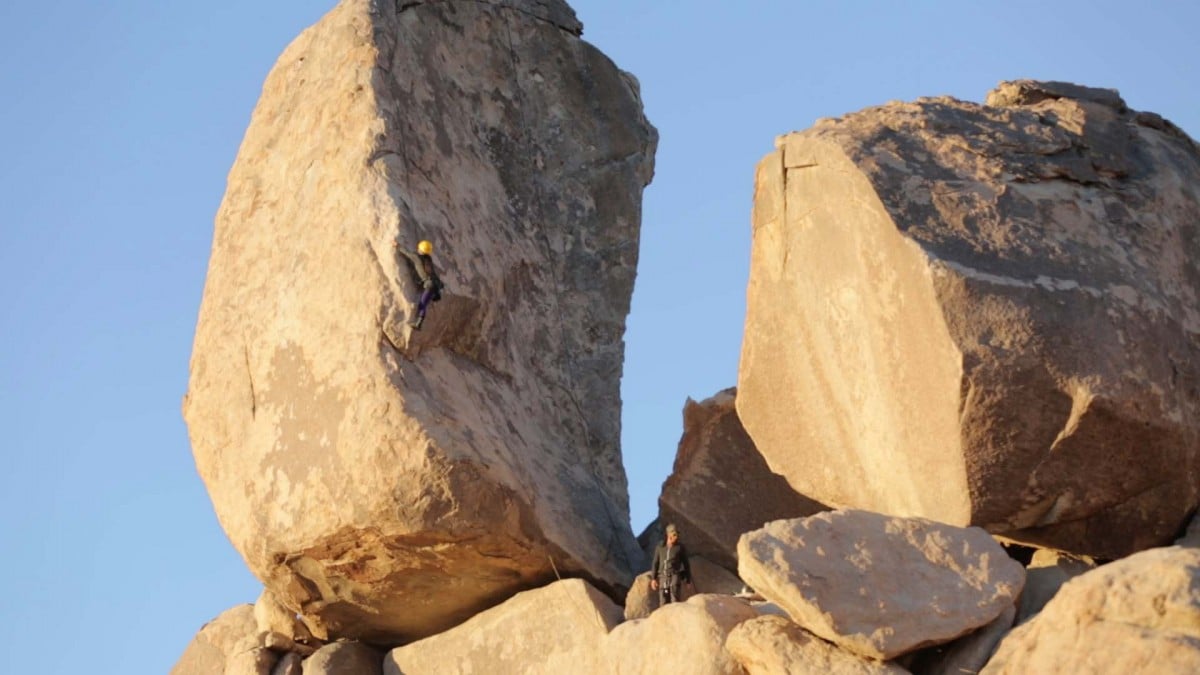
{"x": 983, "y": 314}
{"x": 721, "y": 486}
{"x": 388, "y": 483}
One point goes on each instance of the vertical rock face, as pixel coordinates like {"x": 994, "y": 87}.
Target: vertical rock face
{"x": 983, "y": 314}
{"x": 721, "y": 486}
{"x": 386, "y": 483}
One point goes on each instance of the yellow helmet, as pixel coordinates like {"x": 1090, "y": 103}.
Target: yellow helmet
{"x": 425, "y": 247}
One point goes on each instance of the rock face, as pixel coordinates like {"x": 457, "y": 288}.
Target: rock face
{"x": 773, "y": 645}
{"x": 1137, "y": 615}
{"x": 385, "y": 483}
{"x": 682, "y": 637}
{"x": 983, "y": 314}
{"x": 214, "y": 649}
{"x": 555, "y": 629}
{"x": 879, "y": 586}
{"x": 1045, "y": 574}
{"x": 720, "y": 485}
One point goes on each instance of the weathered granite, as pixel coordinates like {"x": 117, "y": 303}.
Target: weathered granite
{"x": 387, "y": 483}
{"x": 983, "y": 314}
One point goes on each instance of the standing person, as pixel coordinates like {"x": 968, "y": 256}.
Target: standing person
{"x": 670, "y": 569}
{"x": 431, "y": 284}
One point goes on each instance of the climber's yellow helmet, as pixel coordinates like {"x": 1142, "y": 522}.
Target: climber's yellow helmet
{"x": 425, "y": 247}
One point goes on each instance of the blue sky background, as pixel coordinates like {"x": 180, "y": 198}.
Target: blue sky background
{"x": 121, "y": 119}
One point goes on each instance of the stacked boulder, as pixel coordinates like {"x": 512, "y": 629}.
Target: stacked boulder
{"x": 386, "y": 483}
{"x": 989, "y": 336}
{"x": 983, "y": 315}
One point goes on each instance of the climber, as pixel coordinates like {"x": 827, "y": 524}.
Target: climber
{"x": 431, "y": 284}
{"x": 670, "y": 569}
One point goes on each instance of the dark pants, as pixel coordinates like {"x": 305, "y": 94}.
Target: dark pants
{"x": 423, "y": 304}
{"x": 669, "y": 588}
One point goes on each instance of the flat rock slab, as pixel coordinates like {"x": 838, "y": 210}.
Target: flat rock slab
{"x": 880, "y": 586}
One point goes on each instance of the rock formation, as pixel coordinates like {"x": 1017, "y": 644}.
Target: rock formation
{"x": 1137, "y": 615}
{"x": 773, "y": 645}
{"x": 877, "y": 586}
{"x": 388, "y": 483}
{"x": 720, "y": 485}
{"x": 983, "y": 314}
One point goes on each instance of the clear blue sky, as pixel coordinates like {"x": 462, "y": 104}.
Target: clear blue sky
{"x": 121, "y": 119}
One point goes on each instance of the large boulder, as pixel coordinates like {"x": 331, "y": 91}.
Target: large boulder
{"x": 682, "y": 637}
{"x": 218, "y": 644}
{"x": 983, "y": 314}
{"x": 387, "y": 483}
{"x": 720, "y": 485}
{"x": 880, "y": 586}
{"x": 1137, "y": 615}
{"x": 560, "y": 628}
{"x": 774, "y": 645}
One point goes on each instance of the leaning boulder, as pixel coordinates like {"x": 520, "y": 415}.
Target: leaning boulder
{"x": 387, "y": 483}
{"x": 720, "y": 485}
{"x": 879, "y": 586}
{"x": 983, "y": 315}
{"x": 1137, "y": 615}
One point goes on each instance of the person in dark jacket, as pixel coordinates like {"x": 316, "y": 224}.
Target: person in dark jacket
{"x": 431, "y": 284}
{"x": 670, "y": 569}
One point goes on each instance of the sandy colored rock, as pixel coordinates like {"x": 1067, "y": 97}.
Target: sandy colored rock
{"x": 720, "y": 486}
{"x": 1136, "y": 615}
{"x": 878, "y": 586}
{"x": 290, "y": 663}
{"x": 556, "y": 629}
{"x": 386, "y": 483}
{"x": 983, "y": 314}
{"x": 641, "y": 600}
{"x": 774, "y": 645}
{"x": 968, "y": 654}
{"x": 1045, "y": 574}
{"x": 345, "y": 658}
{"x": 217, "y": 641}
{"x": 682, "y": 637}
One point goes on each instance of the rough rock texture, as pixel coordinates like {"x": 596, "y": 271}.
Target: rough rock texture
{"x": 720, "y": 485}
{"x": 968, "y": 654}
{"x": 880, "y": 586}
{"x": 232, "y": 632}
{"x": 682, "y": 637}
{"x": 344, "y": 658}
{"x": 290, "y": 663}
{"x": 773, "y": 645}
{"x": 1044, "y": 575}
{"x": 707, "y": 577}
{"x": 640, "y": 601}
{"x": 983, "y": 314}
{"x": 1190, "y": 536}
{"x": 1137, "y": 615}
{"x": 389, "y": 483}
{"x": 555, "y": 629}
